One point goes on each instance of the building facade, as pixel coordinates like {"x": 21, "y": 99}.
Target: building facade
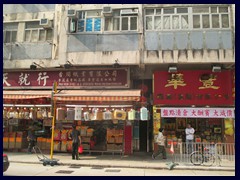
{"x": 144, "y": 38}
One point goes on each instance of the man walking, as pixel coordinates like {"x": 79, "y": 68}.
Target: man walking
{"x": 76, "y": 141}
{"x": 161, "y": 145}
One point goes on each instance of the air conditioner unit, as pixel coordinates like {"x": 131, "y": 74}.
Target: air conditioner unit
{"x": 45, "y": 23}
{"x": 107, "y": 11}
{"x": 129, "y": 11}
{"x": 71, "y": 13}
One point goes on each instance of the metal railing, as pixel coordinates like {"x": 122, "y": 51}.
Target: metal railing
{"x": 223, "y": 153}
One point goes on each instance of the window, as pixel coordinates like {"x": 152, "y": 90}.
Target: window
{"x": 167, "y": 19}
{"x": 121, "y": 21}
{"x": 183, "y": 18}
{"x": 10, "y": 32}
{"x": 89, "y": 21}
{"x": 35, "y": 33}
{"x": 210, "y": 17}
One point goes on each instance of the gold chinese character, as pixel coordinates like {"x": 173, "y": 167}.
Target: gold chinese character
{"x": 208, "y": 81}
{"x": 176, "y": 80}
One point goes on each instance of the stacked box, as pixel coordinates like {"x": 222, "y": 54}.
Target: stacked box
{"x": 110, "y": 147}
{"x": 119, "y": 139}
{"x": 21, "y": 143}
{"x": 118, "y": 147}
{"x": 89, "y": 132}
{"x": 64, "y": 146}
{"x": 86, "y": 146}
{"x": 5, "y": 142}
{"x": 48, "y": 143}
{"x": 12, "y": 141}
{"x": 69, "y": 146}
{"x": 43, "y": 143}
{"x": 56, "y": 146}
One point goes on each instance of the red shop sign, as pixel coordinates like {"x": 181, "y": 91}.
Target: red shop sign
{"x": 67, "y": 79}
{"x": 193, "y": 88}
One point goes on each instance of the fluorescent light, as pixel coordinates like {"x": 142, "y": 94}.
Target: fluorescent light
{"x": 72, "y": 105}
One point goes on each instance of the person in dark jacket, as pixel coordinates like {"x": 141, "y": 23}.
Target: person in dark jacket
{"x": 76, "y": 142}
{"x": 31, "y": 139}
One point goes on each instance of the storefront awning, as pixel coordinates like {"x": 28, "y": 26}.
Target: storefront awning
{"x": 26, "y": 94}
{"x": 98, "y": 95}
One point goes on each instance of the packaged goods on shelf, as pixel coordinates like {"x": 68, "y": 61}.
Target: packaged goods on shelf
{"x": 119, "y": 114}
{"x": 107, "y": 115}
{"x": 98, "y": 115}
{"x": 70, "y": 114}
{"x": 60, "y": 114}
{"x": 144, "y": 114}
{"x": 86, "y": 116}
{"x": 78, "y": 113}
{"x": 39, "y": 114}
{"x": 131, "y": 114}
{"x": 137, "y": 115}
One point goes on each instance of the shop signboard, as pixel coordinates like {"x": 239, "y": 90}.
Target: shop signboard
{"x": 193, "y": 87}
{"x": 172, "y": 112}
{"x": 68, "y": 79}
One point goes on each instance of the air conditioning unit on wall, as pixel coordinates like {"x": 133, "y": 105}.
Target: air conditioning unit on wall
{"x": 45, "y": 23}
{"x": 71, "y": 13}
{"x": 107, "y": 11}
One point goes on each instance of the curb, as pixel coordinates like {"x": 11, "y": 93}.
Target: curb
{"x": 141, "y": 167}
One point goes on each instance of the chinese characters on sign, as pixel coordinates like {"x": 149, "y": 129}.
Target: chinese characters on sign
{"x": 198, "y": 87}
{"x": 176, "y": 80}
{"x": 94, "y": 78}
{"x": 198, "y": 112}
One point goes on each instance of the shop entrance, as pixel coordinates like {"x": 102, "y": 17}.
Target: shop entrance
{"x": 143, "y": 135}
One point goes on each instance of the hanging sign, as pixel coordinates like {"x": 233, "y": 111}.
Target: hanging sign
{"x": 198, "y": 112}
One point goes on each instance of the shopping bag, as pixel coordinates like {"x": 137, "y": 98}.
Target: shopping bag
{"x": 80, "y": 149}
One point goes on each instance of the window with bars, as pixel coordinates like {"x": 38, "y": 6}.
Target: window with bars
{"x": 10, "y": 32}
{"x": 121, "y": 22}
{"x": 177, "y": 18}
{"x": 35, "y": 33}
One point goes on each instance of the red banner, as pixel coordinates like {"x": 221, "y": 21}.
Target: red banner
{"x": 193, "y": 88}
{"x": 67, "y": 79}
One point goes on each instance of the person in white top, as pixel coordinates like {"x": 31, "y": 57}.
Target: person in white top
{"x": 160, "y": 140}
{"x": 189, "y": 138}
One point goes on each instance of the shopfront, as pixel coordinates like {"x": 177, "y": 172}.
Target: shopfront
{"x": 202, "y": 98}
{"x": 99, "y": 101}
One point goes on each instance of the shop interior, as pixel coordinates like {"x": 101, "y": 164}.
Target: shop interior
{"x": 206, "y": 130}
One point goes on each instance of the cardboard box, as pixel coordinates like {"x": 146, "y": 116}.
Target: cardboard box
{"x": 21, "y": 143}
{"x": 5, "y": 143}
{"x": 12, "y": 141}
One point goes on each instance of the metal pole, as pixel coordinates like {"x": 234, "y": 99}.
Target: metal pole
{"x": 54, "y": 117}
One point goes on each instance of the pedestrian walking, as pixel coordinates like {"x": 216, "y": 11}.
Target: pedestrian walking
{"x": 161, "y": 141}
{"x": 31, "y": 139}
{"x": 76, "y": 142}
{"x": 189, "y": 138}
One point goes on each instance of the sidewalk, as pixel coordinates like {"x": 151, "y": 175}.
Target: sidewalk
{"x": 138, "y": 160}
